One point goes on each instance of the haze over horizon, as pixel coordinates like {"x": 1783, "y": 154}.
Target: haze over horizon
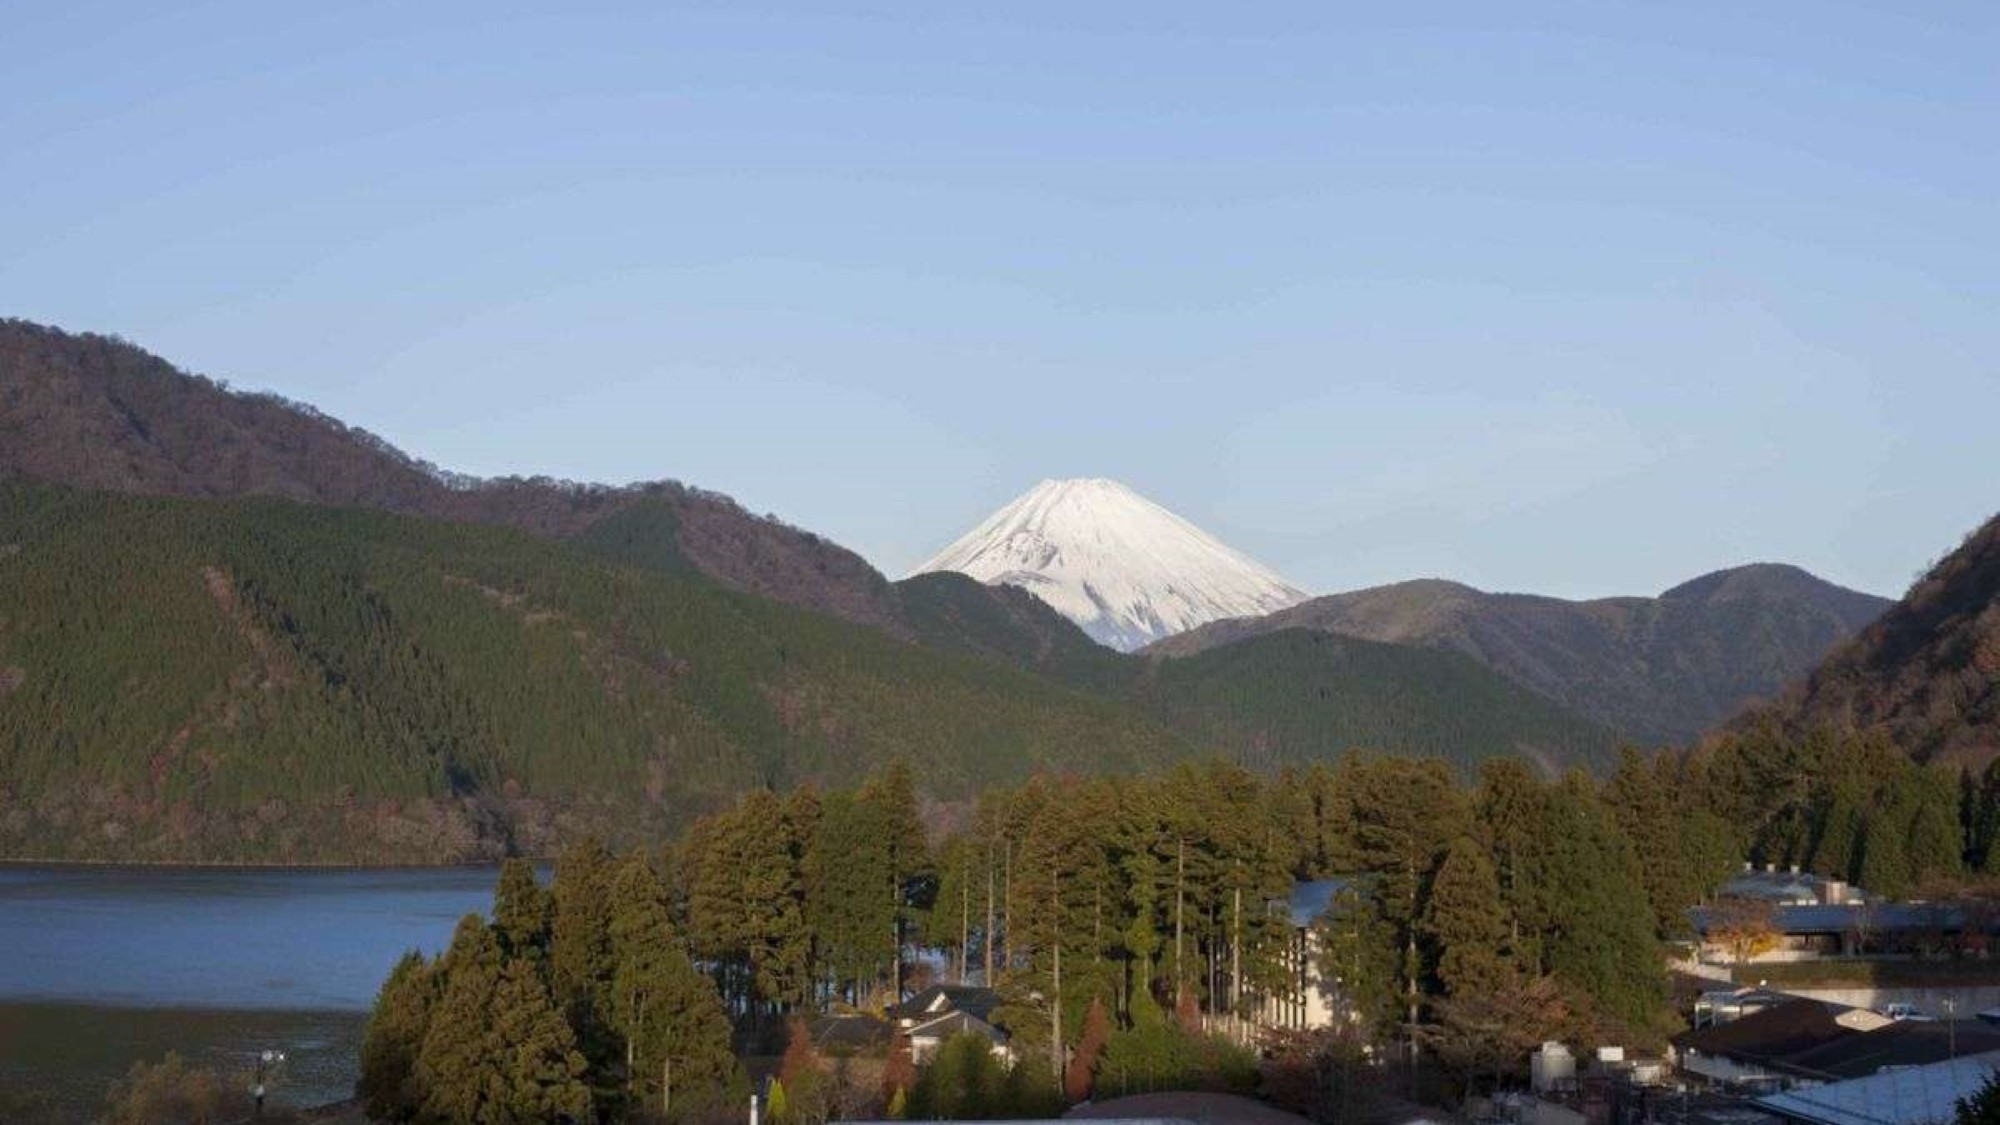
{"x": 1576, "y": 300}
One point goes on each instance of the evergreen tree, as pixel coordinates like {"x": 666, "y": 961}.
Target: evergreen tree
{"x": 1601, "y": 937}
{"x": 541, "y": 1073}
{"x": 457, "y": 1067}
{"x": 1512, "y": 808}
{"x": 777, "y": 942}
{"x": 580, "y": 960}
{"x": 889, "y": 801}
{"x": 522, "y": 911}
{"x": 672, "y": 1022}
{"x": 1358, "y": 960}
{"x": 853, "y": 909}
{"x": 1466, "y": 923}
{"x": 1646, "y": 814}
{"x": 1982, "y": 1106}
{"x": 388, "y": 1087}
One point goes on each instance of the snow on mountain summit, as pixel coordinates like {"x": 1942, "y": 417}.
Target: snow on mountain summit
{"x": 1122, "y": 567}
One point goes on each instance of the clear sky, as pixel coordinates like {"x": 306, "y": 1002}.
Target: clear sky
{"x": 1573, "y": 298}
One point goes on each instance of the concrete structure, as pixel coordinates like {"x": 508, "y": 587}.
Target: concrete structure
{"x": 1551, "y": 1066}
{"x": 1312, "y": 999}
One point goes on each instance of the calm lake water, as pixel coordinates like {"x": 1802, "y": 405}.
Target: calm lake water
{"x": 100, "y": 966}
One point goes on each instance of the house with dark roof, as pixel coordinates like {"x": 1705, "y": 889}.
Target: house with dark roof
{"x": 1811, "y": 1042}
{"x": 931, "y": 1034}
{"x": 941, "y": 998}
{"x": 942, "y": 1011}
{"x": 1751, "y": 1051}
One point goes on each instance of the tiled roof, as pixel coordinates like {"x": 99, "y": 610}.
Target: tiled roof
{"x": 1918, "y": 1095}
{"x": 956, "y": 1023}
{"x": 1906, "y": 1043}
{"x": 961, "y": 998}
{"x": 1772, "y": 1034}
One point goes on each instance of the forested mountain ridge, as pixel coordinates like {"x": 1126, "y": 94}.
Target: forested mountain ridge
{"x": 217, "y": 680}
{"x": 1297, "y": 695}
{"x": 1926, "y": 672}
{"x": 97, "y": 412}
{"x": 258, "y": 679}
{"x": 1657, "y": 670}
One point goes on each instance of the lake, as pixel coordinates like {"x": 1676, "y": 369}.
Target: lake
{"x": 101, "y": 966}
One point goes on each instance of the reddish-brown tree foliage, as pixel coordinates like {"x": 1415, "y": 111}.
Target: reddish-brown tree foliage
{"x": 901, "y": 1072}
{"x": 800, "y": 1058}
{"x": 1081, "y": 1074}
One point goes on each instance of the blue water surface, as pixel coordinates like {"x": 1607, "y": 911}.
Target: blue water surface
{"x": 223, "y": 938}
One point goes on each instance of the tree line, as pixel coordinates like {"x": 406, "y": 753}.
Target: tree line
{"x": 1134, "y": 927}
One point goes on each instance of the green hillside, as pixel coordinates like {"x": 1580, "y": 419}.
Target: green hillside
{"x": 1302, "y": 695}
{"x": 256, "y": 679}
{"x": 1267, "y": 700}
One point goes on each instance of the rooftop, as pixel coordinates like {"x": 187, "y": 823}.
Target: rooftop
{"x": 1918, "y": 1095}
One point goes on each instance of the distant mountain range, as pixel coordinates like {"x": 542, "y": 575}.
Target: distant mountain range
{"x": 1122, "y": 567}
{"x": 234, "y": 628}
{"x": 1654, "y": 670}
{"x": 1927, "y": 671}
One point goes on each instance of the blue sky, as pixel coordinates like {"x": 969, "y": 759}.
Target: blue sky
{"x": 1572, "y": 298}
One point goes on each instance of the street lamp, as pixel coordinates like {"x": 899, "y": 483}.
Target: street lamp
{"x": 268, "y": 1062}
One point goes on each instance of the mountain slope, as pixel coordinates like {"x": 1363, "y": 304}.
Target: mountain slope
{"x": 1125, "y": 569}
{"x": 1927, "y": 671}
{"x": 97, "y": 412}
{"x": 1284, "y": 698}
{"x": 1299, "y": 695}
{"x": 257, "y": 679}
{"x": 1653, "y": 669}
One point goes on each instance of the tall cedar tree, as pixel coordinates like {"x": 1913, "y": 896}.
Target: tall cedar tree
{"x": 522, "y": 911}
{"x": 778, "y": 945}
{"x": 580, "y": 960}
{"x": 540, "y": 1071}
{"x": 456, "y": 1065}
{"x": 388, "y": 1086}
{"x": 673, "y": 1025}
{"x": 1601, "y": 936}
{"x": 890, "y": 799}
{"x": 1466, "y": 923}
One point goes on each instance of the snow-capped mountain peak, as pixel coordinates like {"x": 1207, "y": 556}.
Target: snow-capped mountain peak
{"x": 1122, "y": 567}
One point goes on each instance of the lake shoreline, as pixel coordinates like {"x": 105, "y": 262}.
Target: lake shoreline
{"x": 253, "y": 865}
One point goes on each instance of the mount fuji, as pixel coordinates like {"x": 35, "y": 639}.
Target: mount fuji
{"x": 1126, "y": 570}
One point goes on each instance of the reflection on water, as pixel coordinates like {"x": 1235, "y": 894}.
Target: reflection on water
{"x": 104, "y": 966}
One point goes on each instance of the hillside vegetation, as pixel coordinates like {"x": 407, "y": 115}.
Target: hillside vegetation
{"x": 1655, "y": 670}
{"x": 259, "y": 679}
{"x": 1927, "y": 673}
{"x": 97, "y": 412}
{"x": 264, "y": 680}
